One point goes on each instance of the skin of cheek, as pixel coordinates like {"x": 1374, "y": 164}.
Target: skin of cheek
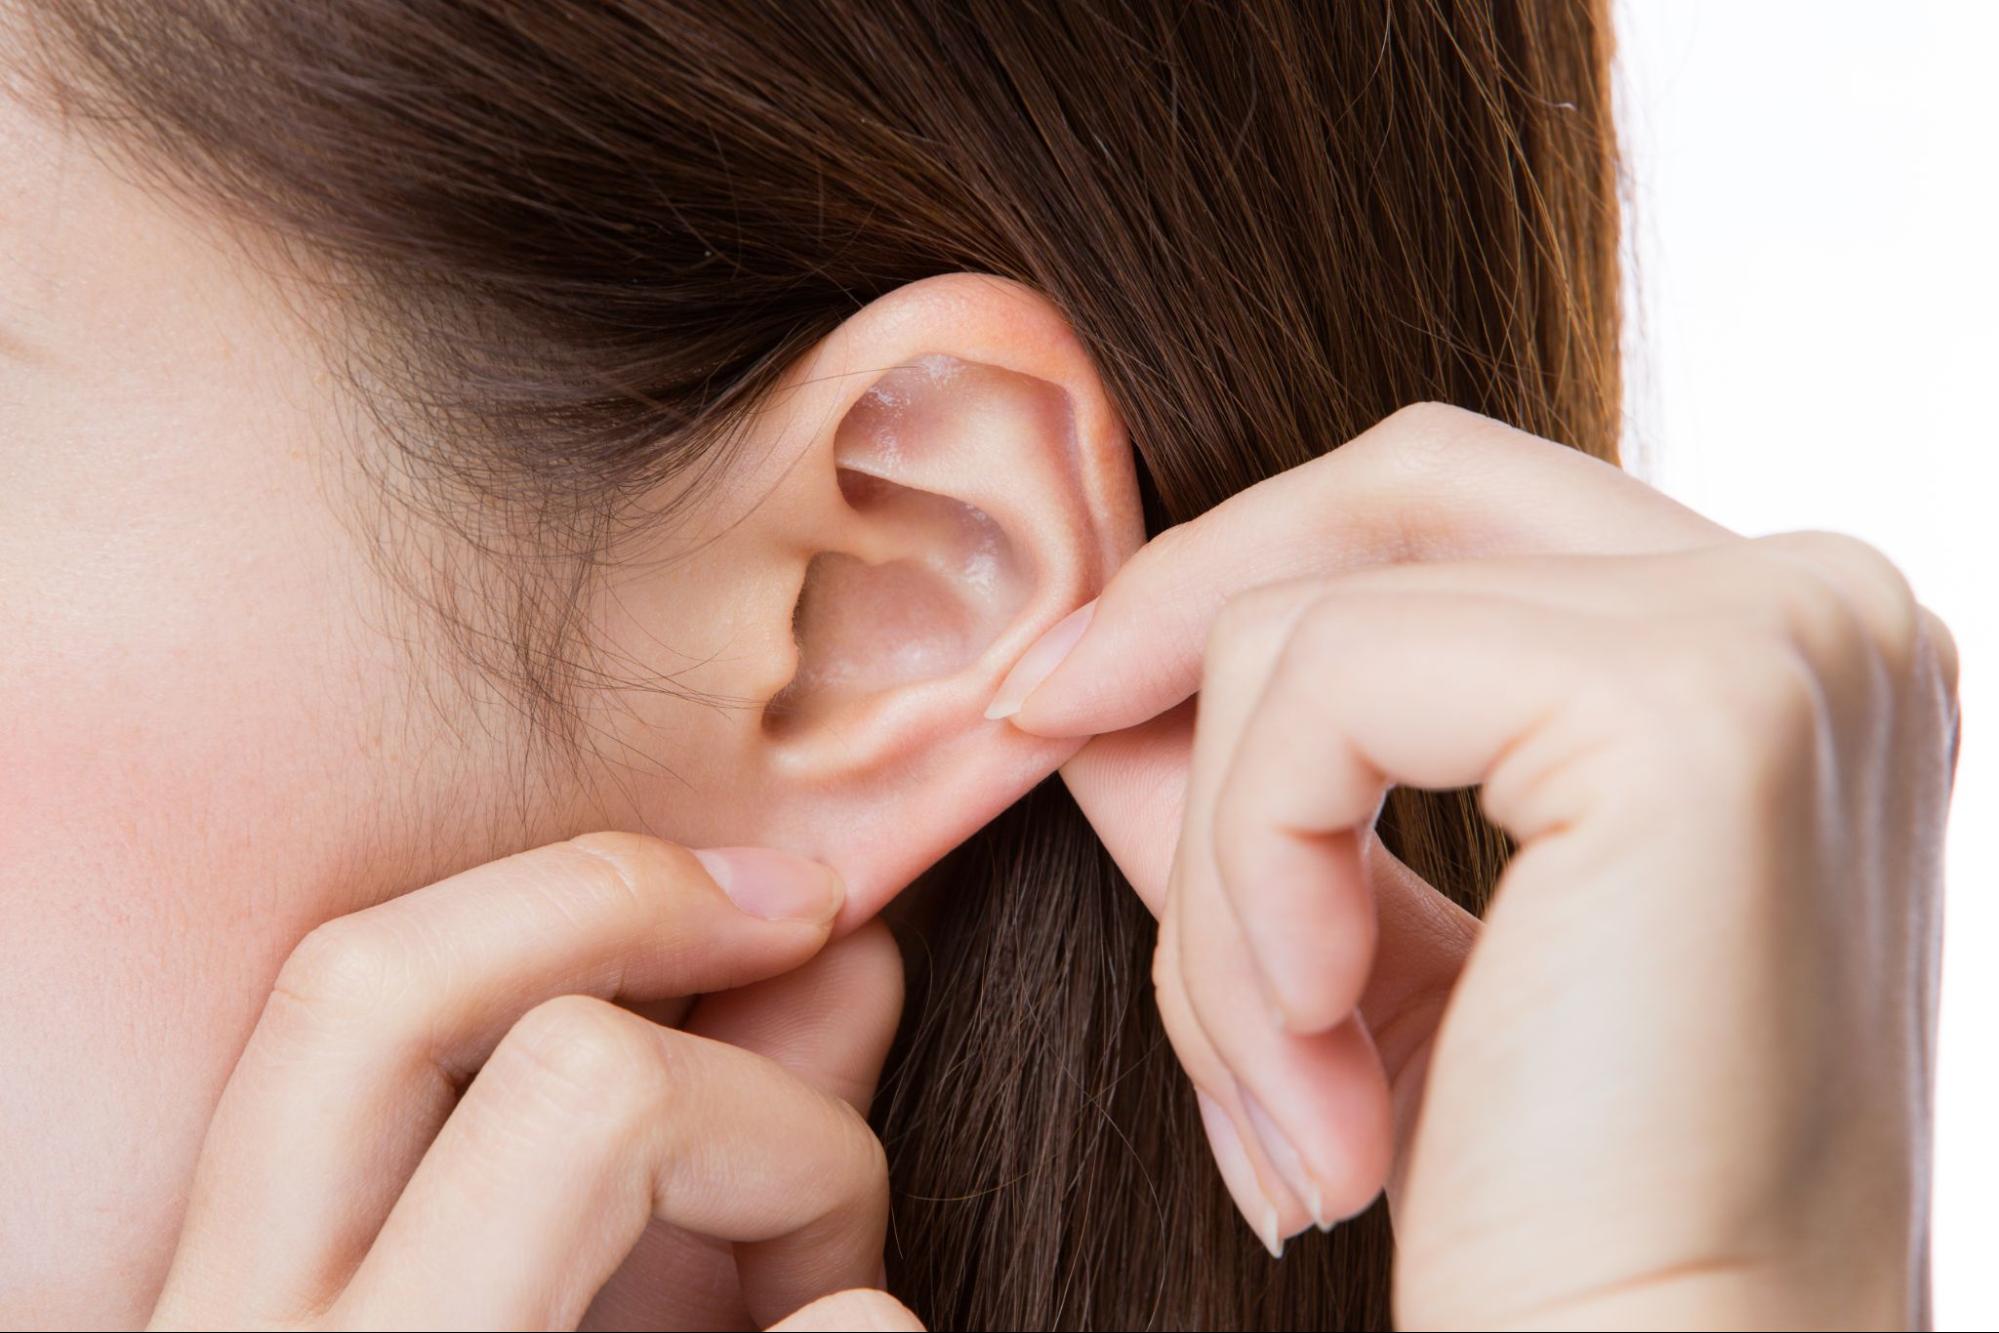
{"x": 215, "y": 734}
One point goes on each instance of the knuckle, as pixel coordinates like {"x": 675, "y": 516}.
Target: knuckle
{"x": 1165, "y": 551}
{"x": 582, "y": 1056}
{"x": 1770, "y": 736}
{"x": 1429, "y": 461}
{"x": 1865, "y": 563}
{"x": 1856, "y": 596}
{"x": 1429, "y": 417}
{"x": 348, "y": 969}
{"x": 1418, "y": 439}
{"x": 1331, "y": 620}
{"x": 1239, "y": 616}
{"x": 1434, "y": 435}
{"x": 623, "y": 862}
{"x": 1252, "y": 619}
{"x": 1161, "y": 562}
{"x": 1728, "y": 708}
{"x": 632, "y": 876}
{"x": 1822, "y": 624}
{"x": 855, "y": 1162}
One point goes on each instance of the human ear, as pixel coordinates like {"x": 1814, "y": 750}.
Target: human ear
{"x": 930, "y": 489}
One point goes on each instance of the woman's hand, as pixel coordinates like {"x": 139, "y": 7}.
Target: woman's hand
{"x": 441, "y": 1120}
{"x": 1680, "y": 1075}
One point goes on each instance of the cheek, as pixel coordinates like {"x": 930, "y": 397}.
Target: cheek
{"x": 163, "y": 729}
{"x": 170, "y": 577}
{"x": 207, "y": 747}
{"x": 176, "y": 724}
{"x": 184, "y": 661}
{"x": 180, "y": 713}
{"x": 212, "y": 737}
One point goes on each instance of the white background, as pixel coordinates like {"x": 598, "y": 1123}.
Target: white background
{"x": 1812, "y": 344}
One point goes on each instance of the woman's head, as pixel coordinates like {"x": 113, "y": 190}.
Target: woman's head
{"x": 439, "y": 429}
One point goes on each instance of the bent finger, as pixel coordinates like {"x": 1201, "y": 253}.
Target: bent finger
{"x": 829, "y": 1023}
{"x": 1429, "y": 483}
{"x": 589, "y": 1122}
{"x": 378, "y": 1018}
{"x": 1373, "y": 689}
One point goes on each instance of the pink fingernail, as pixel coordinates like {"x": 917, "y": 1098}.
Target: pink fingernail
{"x": 1038, "y": 663}
{"x": 1239, "y": 1175}
{"x": 774, "y": 885}
{"x": 1286, "y": 1159}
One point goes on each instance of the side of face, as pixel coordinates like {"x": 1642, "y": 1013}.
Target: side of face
{"x": 223, "y": 723}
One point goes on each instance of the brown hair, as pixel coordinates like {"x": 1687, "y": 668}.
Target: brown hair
{"x": 582, "y": 237}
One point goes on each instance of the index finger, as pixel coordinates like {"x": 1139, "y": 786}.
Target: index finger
{"x": 1431, "y": 482}
{"x": 378, "y": 1019}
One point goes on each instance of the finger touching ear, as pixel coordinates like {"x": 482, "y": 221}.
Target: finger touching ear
{"x": 925, "y": 494}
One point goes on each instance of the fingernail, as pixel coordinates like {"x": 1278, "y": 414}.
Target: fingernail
{"x": 1039, "y": 662}
{"x": 1286, "y": 1159}
{"x": 1237, "y": 1173}
{"x": 774, "y": 885}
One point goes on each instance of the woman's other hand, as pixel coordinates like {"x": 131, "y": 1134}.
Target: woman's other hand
{"x": 443, "y": 1120}
{"x": 1680, "y": 1075}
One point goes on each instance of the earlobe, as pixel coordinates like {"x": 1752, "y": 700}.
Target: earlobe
{"x": 973, "y": 487}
